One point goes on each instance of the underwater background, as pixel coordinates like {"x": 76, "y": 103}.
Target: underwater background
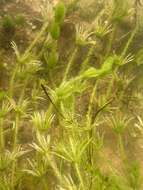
{"x": 71, "y": 95}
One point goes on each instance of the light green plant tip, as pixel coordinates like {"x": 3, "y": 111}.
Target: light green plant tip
{"x": 60, "y": 11}
{"x": 55, "y": 30}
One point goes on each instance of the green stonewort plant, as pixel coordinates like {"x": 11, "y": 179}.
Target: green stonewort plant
{"x": 67, "y": 123}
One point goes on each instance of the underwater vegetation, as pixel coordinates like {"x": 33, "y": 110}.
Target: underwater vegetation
{"x": 71, "y": 96}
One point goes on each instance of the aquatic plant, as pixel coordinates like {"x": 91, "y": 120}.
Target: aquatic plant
{"x": 68, "y": 110}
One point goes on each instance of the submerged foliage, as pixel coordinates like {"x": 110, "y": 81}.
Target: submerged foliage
{"x": 70, "y": 116}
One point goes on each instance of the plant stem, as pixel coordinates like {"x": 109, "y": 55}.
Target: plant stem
{"x": 23, "y": 90}
{"x": 17, "y": 115}
{"x": 88, "y": 56}
{"x": 89, "y": 112}
{"x": 129, "y": 42}
{"x": 31, "y": 46}
{"x": 109, "y": 47}
{"x": 57, "y": 173}
{"x": 121, "y": 146}
{"x": 2, "y": 143}
{"x": 79, "y": 175}
{"x": 12, "y": 80}
{"x": 25, "y": 54}
{"x": 133, "y": 33}
{"x": 69, "y": 65}
{"x": 110, "y": 85}
{"x": 88, "y": 124}
{"x": 17, "y": 119}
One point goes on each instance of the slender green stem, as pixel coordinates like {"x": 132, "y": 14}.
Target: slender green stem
{"x": 12, "y": 80}
{"x": 121, "y": 146}
{"x": 23, "y": 90}
{"x": 111, "y": 83}
{"x": 110, "y": 86}
{"x": 69, "y": 65}
{"x": 17, "y": 120}
{"x": 32, "y": 45}
{"x": 110, "y": 43}
{"x": 88, "y": 124}
{"x": 133, "y": 32}
{"x": 109, "y": 90}
{"x": 89, "y": 112}
{"x": 11, "y": 88}
{"x": 57, "y": 172}
{"x": 79, "y": 175}
{"x": 129, "y": 42}
{"x": 2, "y": 143}
{"x": 17, "y": 115}
{"x": 88, "y": 56}
{"x": 16, "y": 128}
